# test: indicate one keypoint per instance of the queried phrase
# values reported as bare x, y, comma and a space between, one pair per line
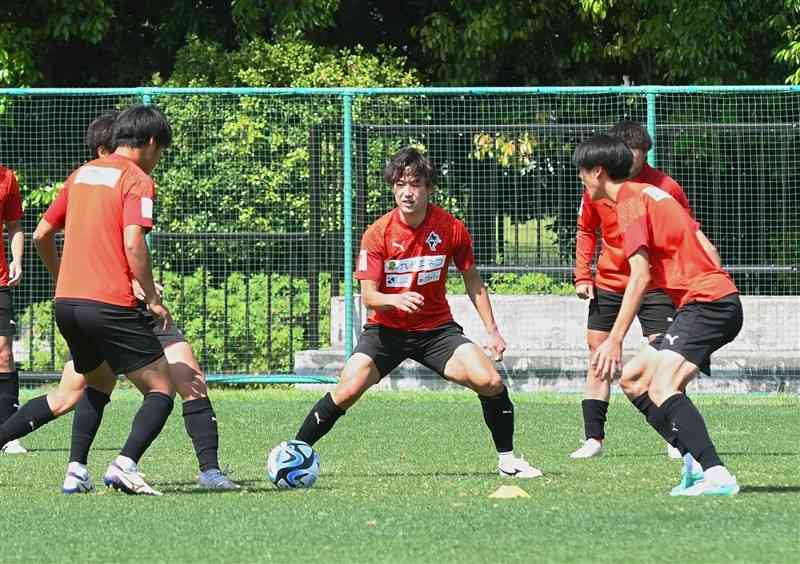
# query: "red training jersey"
613, 269
401, 258
10, 210
651, 218
95, 205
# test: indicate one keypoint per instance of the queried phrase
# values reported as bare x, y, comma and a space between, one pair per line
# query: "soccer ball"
293, 464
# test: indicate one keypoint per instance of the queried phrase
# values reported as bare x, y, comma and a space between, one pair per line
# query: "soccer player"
105, 209
606, 289
10, 276
402, 267
660, 242
198, 413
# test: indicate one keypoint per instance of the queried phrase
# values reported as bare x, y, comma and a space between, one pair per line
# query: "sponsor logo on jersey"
399, 246
427, 277
671, 338
362, 260
433, 240
399, 280
147, 208
656, 193
98, 176
414, 264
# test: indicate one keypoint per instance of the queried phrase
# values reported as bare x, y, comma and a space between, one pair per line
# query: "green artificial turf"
406, 477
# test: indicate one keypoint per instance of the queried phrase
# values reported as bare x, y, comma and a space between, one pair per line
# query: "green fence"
264, 195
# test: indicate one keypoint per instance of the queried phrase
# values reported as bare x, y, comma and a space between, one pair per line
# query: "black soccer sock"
319, 420
685, 418
498, 412
9, 395
147, 424
201, 425
86, 422
654, 417
27, 419
594, 418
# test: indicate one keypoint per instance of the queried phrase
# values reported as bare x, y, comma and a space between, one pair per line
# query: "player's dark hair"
100, 132
411, 160
136, 125
606, 151
634, 135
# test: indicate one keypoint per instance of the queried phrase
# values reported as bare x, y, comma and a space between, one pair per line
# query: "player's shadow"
411, 474
754, 453
247, 487
769, 489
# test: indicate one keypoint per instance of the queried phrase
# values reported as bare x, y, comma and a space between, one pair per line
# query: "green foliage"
529, 283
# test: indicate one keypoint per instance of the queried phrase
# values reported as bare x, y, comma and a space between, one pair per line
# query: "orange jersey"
650, 218
10, 210
613, 269
95, 205
403, 259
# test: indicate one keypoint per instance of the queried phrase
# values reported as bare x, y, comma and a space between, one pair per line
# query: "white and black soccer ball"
293, 464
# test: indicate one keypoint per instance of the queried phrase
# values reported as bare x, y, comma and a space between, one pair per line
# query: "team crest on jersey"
433, 240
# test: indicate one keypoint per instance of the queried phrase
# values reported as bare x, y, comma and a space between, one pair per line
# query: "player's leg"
45, 408
199, 417
699, 329
603, 310
656, 314
448, 352
9, 379
378, 351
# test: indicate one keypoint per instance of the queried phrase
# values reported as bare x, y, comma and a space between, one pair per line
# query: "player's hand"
409, 302
161, 312
607, 359
496, 346
14, 273
138, 292
584, 291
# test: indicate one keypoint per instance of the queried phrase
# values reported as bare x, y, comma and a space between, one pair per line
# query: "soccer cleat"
215, 479
590, 449
517, 468
128, 480
689, 478
707, 487
13, 447
77, 480
673, 452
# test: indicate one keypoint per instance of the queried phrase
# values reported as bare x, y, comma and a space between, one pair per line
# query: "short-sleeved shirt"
613, 269
97, 202
650, 218
10, 210
401, 258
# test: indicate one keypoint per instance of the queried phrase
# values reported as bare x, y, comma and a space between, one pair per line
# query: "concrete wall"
546, 338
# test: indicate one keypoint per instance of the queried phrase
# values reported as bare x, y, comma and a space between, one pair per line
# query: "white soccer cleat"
716, 481
517, 467
673, 452
128, 480
77, 480
590, 449
13, 447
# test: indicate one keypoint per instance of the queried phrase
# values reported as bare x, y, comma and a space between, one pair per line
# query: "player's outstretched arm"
479, 295
607, 359
44, 238
409, 302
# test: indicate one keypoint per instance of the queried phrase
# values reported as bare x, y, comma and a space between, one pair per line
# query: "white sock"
77, 468
125, 463
505, 457
718, 475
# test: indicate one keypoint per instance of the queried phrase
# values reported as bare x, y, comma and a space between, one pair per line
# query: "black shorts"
700, 328
8, 327
97, 332
655, 314
169, 336
389, 347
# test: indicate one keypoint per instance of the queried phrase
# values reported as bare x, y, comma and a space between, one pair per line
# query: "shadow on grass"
411, 474
753, 453
769, 489
98, 449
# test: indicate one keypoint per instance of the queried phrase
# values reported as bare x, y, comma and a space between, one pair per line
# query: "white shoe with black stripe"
517, 467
